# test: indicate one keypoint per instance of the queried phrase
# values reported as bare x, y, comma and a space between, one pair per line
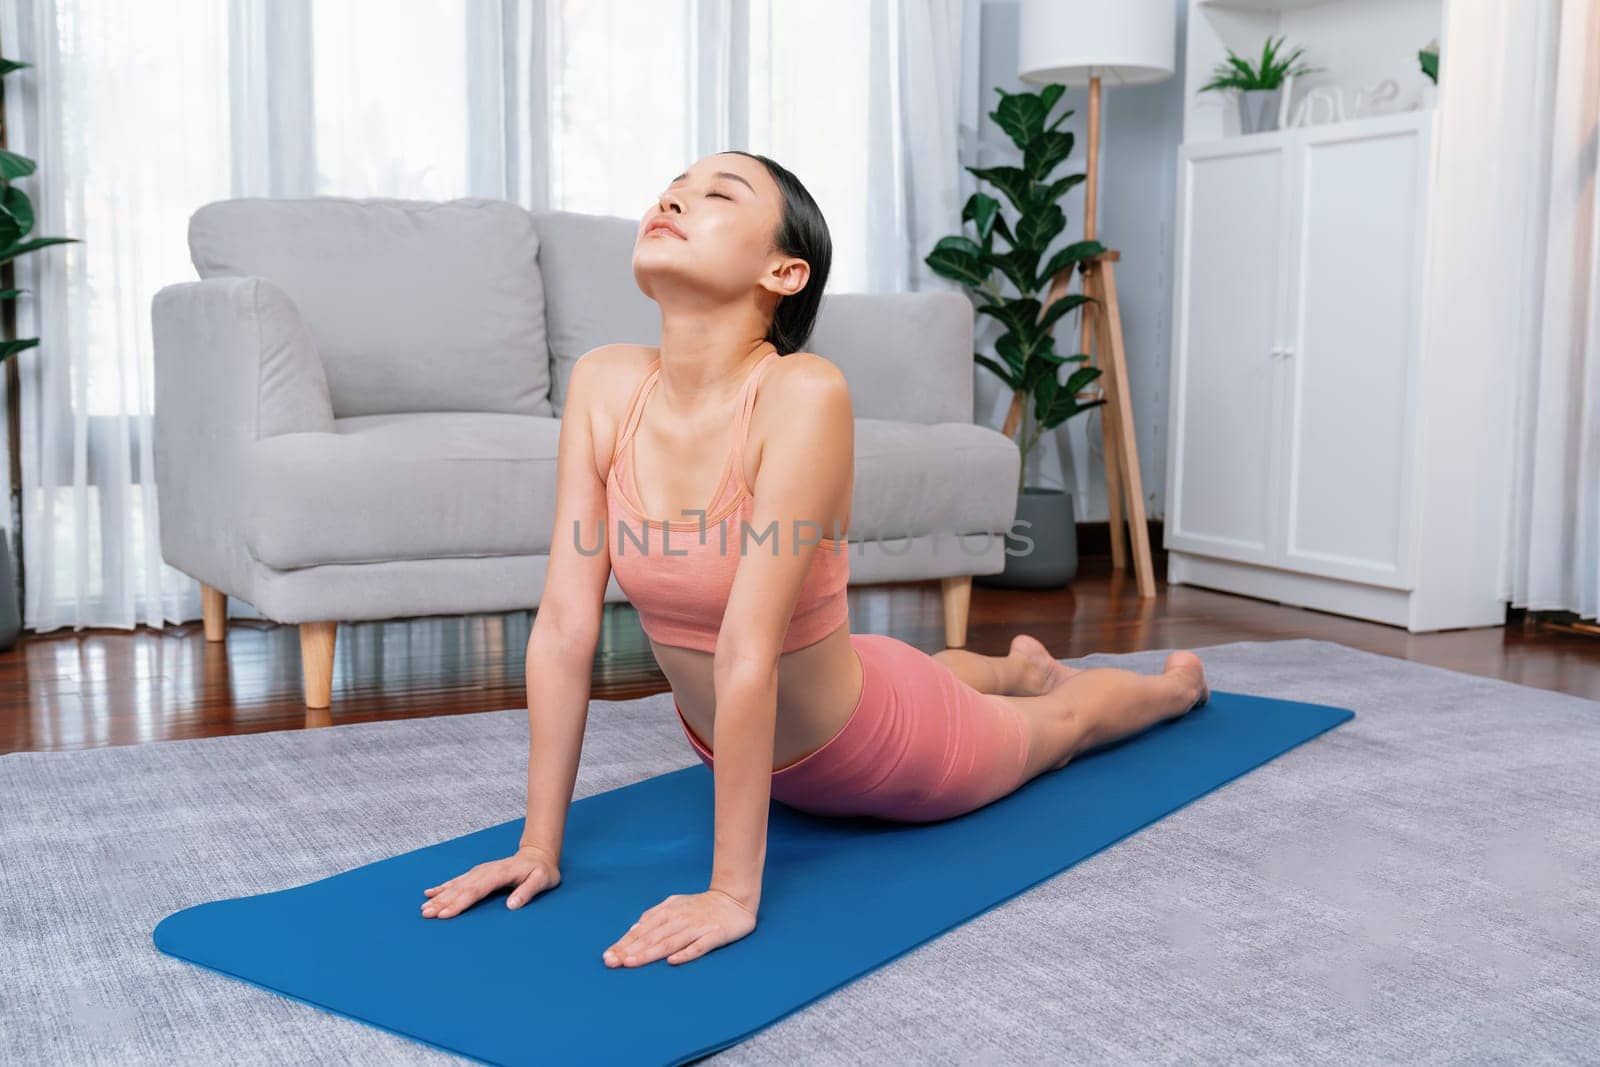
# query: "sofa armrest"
233, 364
907, 356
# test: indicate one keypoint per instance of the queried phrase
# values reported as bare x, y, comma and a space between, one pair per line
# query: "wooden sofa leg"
957, 597
214, 612
316, 661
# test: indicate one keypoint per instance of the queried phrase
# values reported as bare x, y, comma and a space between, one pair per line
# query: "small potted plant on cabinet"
1259, 87
1428, 62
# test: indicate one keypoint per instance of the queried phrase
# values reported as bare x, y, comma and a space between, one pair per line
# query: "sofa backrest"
591, 298
906, 355
414, 305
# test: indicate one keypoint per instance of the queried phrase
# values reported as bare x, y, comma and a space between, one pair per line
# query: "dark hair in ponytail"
803, 233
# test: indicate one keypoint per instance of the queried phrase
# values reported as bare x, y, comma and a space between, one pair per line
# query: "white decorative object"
1285, 102
1318, 106
1377, 100
1327, 104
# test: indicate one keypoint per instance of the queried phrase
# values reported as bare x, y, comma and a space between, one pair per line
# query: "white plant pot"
1258, 110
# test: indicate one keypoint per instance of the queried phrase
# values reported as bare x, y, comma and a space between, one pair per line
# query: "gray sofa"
357, 410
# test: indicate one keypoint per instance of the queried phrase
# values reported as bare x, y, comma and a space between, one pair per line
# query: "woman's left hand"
681, 928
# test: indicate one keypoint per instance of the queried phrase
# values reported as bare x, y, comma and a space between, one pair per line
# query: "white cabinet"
1225, 393
1297, 417
1350, 339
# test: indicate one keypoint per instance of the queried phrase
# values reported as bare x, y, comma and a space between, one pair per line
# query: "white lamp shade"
1125, 42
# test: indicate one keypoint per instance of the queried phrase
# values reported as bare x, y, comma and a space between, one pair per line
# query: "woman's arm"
566, 627
803, 483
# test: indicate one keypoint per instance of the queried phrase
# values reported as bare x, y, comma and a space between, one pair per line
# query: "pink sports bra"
679, 580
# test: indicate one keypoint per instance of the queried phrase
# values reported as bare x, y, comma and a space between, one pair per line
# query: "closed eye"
724, 196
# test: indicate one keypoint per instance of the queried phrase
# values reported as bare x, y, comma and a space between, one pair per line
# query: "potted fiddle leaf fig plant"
16, 222
1002, 264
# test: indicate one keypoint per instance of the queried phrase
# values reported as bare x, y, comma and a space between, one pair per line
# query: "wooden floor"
114, 687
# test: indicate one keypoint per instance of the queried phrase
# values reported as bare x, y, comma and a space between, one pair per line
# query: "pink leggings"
920, 745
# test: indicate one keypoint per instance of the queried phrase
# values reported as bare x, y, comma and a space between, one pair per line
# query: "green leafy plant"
1027, 363
1428, 59
16, 222
1237, 73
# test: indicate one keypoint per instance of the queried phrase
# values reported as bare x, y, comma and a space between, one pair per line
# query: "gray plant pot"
1258, 110
1042, 547
10, 613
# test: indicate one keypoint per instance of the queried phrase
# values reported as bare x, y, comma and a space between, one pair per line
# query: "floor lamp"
1079, 43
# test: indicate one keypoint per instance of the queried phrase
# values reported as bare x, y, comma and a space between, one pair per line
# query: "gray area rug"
1421, 884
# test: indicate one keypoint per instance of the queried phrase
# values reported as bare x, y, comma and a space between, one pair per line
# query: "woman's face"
710, 235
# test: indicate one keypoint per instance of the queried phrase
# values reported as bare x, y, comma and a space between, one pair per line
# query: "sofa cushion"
405, 486
452, 484
414, 305
591, 298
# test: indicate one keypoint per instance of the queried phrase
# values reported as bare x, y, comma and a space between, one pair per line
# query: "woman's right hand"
530, 871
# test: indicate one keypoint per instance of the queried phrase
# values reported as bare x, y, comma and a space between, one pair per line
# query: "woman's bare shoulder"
807, 370
603, 378
805, 378
596, 399
804, 399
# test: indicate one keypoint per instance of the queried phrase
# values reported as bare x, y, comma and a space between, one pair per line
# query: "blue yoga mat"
524, 986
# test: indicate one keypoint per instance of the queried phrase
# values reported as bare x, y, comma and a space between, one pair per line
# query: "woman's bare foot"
1187, 663
1037, 671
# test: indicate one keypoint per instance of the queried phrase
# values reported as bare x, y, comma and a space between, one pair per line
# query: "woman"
743, 598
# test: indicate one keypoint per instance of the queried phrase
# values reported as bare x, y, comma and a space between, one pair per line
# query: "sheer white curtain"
1555, 535
140, 113
863, 101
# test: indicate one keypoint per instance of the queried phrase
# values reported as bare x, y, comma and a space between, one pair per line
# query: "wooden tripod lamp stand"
1077, 43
